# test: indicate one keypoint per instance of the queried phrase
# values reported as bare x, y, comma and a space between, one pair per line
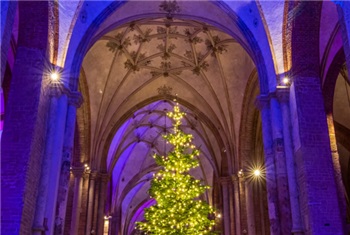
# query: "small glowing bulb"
86, 165
219, 215
257, 172
285, 80
54, 76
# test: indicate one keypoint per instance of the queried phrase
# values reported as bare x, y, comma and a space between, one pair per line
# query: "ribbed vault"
133, 75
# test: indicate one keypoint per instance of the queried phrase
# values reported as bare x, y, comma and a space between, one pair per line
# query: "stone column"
283, 96
104, 177
237, 203
91, 199
262, 103
94, 222
225, 181
319, 202
114, 221
74, 100
235, 211
52, 158
250, 207
78, 184
280, 164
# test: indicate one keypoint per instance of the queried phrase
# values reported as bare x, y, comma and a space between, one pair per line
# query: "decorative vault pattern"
166, 60
162, 57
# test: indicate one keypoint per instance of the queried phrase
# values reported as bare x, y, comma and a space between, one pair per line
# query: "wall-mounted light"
240, 173
86, 167
257, 172
54, 76
286, 81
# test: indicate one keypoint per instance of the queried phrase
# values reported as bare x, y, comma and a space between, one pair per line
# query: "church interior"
85, 91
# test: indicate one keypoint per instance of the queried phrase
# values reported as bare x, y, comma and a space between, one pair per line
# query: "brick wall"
23, 138
8, 13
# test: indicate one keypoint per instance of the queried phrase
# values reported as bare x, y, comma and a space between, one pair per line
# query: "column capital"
93, 175
78, 171
57, 89
75, 98
282, 93
104, 176
262, 101
239, 176
223, 180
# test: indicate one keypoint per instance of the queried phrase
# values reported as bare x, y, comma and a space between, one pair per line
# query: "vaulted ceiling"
134, 73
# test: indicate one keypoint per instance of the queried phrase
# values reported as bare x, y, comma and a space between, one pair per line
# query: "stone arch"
263, 62
115, 208
129, 113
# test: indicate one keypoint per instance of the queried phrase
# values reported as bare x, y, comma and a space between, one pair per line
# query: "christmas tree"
178, 209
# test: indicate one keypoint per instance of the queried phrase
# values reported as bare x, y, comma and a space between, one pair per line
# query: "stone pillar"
78, 184
104, 178
319, 202
52, 158
24, 134
237, 203
283, 96
225, 181
262, 103
94, 222
235, 221
74, 100
116, 222
250, 208
91, 198
280, 164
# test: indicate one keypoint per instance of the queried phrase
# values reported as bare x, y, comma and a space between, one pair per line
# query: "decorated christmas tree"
178, 209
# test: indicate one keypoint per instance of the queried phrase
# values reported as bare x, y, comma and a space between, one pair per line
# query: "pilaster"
104, 178
74, 101
78, 182
90, 207
282, 94
224, 182
263, 103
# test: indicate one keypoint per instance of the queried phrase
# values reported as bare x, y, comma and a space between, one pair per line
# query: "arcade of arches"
264, 85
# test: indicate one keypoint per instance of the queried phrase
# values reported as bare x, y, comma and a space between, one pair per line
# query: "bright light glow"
178, 209
257, 172
219, 215
54, 76
285, 80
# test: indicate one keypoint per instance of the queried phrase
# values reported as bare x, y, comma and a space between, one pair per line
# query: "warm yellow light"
54, 76
257, 172
285, 80
219, 216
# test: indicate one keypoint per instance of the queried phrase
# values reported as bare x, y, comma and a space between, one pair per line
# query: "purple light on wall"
138, 216
116, 140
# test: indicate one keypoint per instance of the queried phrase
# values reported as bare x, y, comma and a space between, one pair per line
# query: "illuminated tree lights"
178, 209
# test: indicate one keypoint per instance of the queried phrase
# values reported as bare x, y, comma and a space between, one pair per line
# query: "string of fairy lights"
178, 209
